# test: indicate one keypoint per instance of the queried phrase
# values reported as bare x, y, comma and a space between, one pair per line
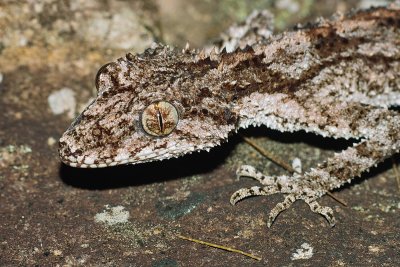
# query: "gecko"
336, 77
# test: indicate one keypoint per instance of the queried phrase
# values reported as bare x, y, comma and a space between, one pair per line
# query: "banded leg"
325, 211
281, 206
252, 191
379, 131
251, 172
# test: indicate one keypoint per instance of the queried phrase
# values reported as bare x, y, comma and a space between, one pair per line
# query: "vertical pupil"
160, 121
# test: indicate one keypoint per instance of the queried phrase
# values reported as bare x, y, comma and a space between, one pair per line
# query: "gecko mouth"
74, 157
72, 154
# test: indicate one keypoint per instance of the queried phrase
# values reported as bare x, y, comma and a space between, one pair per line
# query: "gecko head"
149, 107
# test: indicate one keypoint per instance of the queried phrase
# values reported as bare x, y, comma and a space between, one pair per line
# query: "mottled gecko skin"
335, 78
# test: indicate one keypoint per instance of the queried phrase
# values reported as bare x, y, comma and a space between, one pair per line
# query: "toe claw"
251, 172
246, 170
325, 211
252, 191
281, 206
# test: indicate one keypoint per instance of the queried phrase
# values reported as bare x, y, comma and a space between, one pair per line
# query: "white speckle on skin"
305, 252
144, 152
62, 101
89, 160
122, 156
112, 215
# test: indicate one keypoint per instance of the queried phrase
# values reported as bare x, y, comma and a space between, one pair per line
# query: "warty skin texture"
335, 78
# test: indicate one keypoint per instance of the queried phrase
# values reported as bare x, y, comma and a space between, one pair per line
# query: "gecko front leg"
379, 129
291, 186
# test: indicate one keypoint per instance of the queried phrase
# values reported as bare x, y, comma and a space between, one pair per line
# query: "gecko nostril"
63, 149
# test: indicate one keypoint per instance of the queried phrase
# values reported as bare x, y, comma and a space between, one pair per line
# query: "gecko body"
336, 78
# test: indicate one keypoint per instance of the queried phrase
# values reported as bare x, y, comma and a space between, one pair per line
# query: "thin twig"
336, 198
220, 247
269, 155
285, 165
396, 173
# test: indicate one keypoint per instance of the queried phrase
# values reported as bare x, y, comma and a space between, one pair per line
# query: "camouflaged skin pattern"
335, 78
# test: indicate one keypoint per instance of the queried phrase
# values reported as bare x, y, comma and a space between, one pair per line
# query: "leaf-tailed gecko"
336, 78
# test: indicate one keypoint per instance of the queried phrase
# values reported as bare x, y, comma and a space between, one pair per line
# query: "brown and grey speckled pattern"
335, 78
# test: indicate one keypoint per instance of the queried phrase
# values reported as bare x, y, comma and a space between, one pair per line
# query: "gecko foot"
293, 188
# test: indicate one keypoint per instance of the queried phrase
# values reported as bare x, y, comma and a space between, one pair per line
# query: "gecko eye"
159, 118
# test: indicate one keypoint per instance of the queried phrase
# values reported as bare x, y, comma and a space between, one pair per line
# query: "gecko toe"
325, 211
252, 191
292, 186
281, 206
247, 171
251, 172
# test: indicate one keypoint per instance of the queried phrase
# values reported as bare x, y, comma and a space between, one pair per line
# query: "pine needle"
269, 155
219, 247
